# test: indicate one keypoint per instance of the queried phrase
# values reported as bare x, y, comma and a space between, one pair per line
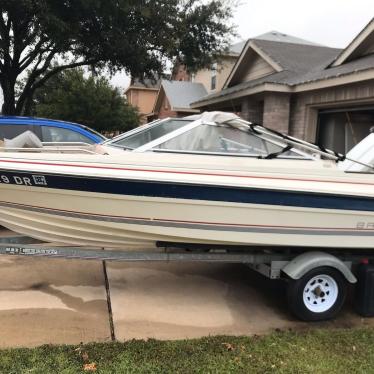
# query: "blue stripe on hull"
197, 192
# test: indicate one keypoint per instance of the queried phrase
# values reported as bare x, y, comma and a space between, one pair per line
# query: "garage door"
342, 129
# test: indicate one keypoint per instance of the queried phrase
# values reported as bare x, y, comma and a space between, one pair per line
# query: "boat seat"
25, 140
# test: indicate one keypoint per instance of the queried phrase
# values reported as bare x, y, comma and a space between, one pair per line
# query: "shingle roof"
277, 36
181, 94
274, 36
361, 64
237, 47
297, 57
300, 63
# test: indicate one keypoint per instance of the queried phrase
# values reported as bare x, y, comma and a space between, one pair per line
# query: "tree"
40, 38
91, 101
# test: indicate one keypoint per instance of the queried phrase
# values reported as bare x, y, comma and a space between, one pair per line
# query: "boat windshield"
196, 136
223, 139
147, 133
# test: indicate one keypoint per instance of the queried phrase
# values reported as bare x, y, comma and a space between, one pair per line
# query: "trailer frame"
291, 265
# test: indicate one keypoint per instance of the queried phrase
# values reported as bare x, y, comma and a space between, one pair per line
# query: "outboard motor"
363, 152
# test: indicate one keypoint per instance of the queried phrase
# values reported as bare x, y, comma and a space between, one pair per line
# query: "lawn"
319, 351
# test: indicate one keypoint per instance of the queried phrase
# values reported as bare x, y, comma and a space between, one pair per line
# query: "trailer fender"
307, 261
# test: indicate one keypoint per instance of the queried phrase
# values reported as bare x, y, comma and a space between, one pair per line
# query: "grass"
319, 351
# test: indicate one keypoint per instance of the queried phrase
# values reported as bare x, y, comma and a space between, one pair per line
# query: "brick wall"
165, 111
277, 111
252, 111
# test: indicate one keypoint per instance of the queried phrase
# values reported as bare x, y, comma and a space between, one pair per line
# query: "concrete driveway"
190, 300
71, 301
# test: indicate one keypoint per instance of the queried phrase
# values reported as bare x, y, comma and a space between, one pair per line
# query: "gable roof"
302, 65
281, 55
357, 47
287, 81
180, 94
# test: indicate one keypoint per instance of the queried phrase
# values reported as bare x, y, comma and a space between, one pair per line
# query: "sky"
330, 22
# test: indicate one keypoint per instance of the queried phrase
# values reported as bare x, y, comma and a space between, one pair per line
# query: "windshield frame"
133, 132
171, 135
192, 125
245, 126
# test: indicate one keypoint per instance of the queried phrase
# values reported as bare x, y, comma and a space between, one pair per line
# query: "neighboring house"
142, 94
174, 99
321, 94
214, 78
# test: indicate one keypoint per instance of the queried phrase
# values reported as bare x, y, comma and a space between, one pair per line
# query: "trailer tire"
318, 295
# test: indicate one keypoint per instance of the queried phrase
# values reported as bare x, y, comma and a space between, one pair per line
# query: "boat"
206, 180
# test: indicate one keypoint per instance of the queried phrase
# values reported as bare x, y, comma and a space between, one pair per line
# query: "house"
215, 77
142, 94
174, 98
310, 91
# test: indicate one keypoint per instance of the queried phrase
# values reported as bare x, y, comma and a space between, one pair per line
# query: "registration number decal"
33, 180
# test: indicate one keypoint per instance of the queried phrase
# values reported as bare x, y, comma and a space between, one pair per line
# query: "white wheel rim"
320, 293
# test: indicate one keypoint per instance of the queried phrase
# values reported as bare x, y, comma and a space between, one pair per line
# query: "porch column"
277, 111
252, 110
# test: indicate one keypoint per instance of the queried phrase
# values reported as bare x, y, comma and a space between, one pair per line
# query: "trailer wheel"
318, 295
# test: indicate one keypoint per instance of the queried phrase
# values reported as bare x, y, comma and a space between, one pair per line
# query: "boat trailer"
317, 280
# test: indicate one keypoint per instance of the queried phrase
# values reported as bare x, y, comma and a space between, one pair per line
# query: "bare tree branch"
32, 85
34, 52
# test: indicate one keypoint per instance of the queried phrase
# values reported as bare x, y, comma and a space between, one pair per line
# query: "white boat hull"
140, 199
122, 221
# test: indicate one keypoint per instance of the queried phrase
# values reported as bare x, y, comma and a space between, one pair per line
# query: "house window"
342, 130
135, 98
213, 79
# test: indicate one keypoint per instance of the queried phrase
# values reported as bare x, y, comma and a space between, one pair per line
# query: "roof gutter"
273, 87
353, 77
140, 88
